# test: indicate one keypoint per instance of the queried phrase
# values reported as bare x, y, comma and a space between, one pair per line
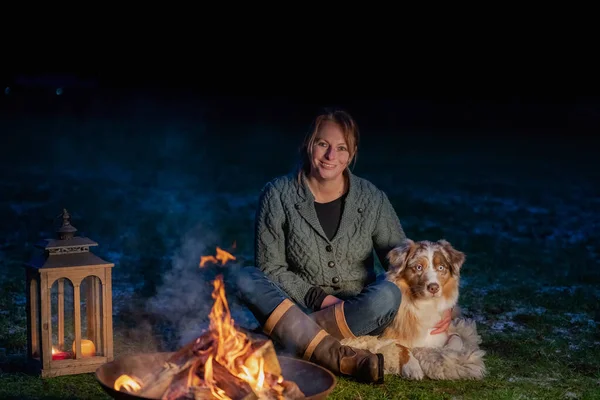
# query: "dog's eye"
441, 267
419, 267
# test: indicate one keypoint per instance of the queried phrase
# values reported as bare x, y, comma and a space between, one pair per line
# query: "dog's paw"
455, 342
412, 369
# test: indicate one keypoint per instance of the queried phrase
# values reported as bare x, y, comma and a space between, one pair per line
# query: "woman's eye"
341, 148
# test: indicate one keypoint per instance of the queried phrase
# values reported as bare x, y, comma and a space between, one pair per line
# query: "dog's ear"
398, 257
455, 258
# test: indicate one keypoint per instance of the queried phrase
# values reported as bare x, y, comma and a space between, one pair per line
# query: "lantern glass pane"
62, 317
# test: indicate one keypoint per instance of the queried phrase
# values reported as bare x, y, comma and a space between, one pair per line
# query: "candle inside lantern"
88, 349
59, 355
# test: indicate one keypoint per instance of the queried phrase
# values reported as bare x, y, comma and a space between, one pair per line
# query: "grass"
530, 280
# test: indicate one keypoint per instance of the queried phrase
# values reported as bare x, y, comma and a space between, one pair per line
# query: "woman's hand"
444, 324
329, 301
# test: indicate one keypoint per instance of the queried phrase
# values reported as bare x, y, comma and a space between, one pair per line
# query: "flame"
231, 348
205, 259
222, 256
128, 383
54, 351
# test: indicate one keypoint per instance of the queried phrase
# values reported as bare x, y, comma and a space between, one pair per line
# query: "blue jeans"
367, 313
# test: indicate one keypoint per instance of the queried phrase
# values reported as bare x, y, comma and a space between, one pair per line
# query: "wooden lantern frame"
68, 257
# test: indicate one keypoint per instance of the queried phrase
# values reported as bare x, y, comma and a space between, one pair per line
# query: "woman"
316, 230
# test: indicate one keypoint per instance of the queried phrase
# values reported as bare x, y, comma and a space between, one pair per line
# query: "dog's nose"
433, 287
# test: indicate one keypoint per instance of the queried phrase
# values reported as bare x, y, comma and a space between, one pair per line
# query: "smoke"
183, 300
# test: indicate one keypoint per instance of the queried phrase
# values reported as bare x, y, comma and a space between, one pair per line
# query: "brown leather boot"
333, 320
289, 325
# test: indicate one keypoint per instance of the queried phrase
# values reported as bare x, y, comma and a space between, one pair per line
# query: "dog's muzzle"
433, 288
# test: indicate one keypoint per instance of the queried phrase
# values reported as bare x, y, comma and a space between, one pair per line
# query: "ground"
526, 216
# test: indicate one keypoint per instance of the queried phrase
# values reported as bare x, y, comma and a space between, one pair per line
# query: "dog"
427, 274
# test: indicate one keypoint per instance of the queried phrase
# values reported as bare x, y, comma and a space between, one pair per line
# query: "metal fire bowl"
313, 380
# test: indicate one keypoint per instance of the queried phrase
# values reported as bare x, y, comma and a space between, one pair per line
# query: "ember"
222, 363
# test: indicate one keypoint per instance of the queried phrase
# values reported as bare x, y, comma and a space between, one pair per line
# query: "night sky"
282, 99
495, 123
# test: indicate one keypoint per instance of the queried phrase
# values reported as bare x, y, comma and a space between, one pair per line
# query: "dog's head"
426, 269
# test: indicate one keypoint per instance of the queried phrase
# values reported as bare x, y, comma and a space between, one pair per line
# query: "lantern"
69, 305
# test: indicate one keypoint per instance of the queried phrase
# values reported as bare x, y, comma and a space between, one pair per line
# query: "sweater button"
335, 280
329, 248
331, 264
360, 210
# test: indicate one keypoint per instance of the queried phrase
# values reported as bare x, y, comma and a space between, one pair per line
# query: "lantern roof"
59, 245
67, 250
68, 260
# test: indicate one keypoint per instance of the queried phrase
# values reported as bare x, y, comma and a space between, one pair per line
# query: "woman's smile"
327, 165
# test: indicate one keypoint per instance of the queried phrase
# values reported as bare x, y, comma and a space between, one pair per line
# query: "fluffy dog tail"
445, 363
448, 363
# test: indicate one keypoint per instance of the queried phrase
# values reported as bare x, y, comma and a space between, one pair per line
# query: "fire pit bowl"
313, 380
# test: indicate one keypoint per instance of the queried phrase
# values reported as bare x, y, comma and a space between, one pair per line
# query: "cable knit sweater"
294, 252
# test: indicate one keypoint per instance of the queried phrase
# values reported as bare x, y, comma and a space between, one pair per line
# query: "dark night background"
162, 170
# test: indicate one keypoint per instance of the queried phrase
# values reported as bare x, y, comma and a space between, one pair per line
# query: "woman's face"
330, 155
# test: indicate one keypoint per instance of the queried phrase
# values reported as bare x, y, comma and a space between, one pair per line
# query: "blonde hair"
348, 126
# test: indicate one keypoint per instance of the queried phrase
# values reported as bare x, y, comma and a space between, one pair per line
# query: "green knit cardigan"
294, 252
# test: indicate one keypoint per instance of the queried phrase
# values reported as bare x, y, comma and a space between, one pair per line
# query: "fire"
231, 348
228, 347
222, 256
128, 383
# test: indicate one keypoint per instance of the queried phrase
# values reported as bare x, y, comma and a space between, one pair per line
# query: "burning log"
155, 384
222, 363
187, 385
225, 383
264, 349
